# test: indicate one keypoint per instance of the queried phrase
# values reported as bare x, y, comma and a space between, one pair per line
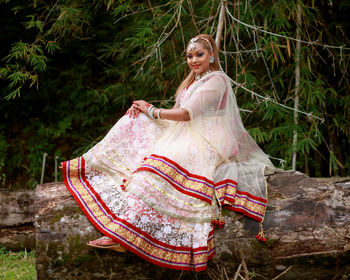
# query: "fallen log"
307, 225
16, 219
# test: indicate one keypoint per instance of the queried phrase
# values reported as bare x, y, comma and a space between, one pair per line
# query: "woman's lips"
195, 66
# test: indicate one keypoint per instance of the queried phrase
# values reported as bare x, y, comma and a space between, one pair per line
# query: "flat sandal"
116, 247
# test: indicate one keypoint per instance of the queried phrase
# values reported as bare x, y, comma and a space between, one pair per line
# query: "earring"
211, 59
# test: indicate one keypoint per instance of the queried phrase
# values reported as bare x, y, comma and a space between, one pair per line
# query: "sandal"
115, 246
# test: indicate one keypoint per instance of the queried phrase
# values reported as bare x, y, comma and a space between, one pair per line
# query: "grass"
17, 265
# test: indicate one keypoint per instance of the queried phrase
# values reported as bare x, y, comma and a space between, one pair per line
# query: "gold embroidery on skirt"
129, 235
179, 178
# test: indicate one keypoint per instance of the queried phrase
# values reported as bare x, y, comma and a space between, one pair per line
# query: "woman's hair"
213, 66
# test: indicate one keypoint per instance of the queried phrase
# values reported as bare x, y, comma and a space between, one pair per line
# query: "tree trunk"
220, 24
297, 84
307, 226
16, 220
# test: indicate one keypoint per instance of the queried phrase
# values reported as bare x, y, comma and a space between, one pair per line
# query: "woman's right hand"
133, 112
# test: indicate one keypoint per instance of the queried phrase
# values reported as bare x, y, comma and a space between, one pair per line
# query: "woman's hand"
142, 106
133, 112
176, 114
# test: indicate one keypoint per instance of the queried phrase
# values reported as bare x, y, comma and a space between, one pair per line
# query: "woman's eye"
200, 54
189, 56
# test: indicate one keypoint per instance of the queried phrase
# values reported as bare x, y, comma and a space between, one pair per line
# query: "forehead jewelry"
192, 43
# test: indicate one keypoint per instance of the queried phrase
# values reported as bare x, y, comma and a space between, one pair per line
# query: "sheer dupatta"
237, 169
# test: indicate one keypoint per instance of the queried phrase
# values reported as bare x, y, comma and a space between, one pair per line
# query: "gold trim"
128, 235
179, 178
172, 196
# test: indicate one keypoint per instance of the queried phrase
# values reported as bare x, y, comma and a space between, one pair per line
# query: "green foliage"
69, 69
17, 265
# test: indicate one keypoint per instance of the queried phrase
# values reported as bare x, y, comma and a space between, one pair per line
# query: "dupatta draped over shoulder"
154, 185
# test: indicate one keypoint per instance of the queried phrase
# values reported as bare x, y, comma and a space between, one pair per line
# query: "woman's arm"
175, 114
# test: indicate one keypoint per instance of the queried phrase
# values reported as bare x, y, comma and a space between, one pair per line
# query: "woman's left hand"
142, 105
132, 112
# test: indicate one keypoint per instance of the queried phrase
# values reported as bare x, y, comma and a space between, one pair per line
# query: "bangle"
150, 111
158, 113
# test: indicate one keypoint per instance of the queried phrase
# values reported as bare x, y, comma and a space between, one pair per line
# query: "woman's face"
198, 58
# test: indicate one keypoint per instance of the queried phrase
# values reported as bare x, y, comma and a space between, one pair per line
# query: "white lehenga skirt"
157, 205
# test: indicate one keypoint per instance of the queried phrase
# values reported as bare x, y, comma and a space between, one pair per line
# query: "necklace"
200, 76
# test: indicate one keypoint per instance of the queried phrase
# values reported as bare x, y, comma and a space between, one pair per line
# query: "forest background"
69, 69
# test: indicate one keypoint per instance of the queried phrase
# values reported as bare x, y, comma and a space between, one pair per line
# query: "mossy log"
16, 219
307, 226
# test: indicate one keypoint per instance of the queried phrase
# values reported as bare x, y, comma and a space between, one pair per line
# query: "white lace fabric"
129, 207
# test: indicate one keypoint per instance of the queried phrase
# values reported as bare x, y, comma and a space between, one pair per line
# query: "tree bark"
307, 225
220, 24
16, 219
297, 84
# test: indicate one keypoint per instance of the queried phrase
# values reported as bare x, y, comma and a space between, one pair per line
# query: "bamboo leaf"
288, 48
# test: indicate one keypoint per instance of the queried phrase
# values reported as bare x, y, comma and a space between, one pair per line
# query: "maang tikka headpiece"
192, 43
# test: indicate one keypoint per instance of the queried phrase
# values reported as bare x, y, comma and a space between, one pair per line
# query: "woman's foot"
105, 242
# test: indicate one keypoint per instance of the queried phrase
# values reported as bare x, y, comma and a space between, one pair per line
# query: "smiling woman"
199, 58
202, 58
156, 183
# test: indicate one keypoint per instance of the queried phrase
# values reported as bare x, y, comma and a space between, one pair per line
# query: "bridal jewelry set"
192, 46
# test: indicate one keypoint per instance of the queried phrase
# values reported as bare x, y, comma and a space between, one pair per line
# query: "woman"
156, 183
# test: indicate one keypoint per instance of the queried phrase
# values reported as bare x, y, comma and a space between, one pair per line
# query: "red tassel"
221, 223
218, 223
124, 180
261, 236
215, 223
